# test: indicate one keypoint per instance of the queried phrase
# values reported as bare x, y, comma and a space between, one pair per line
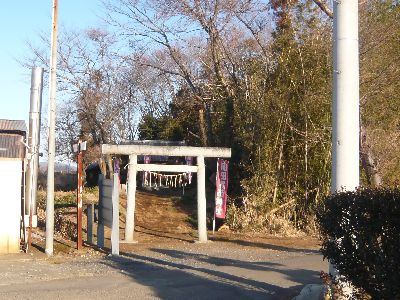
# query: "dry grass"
66, 199
282, 222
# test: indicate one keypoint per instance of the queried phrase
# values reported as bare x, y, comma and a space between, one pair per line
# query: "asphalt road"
214, 270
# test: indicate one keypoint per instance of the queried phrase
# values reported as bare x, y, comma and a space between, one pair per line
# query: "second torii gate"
134, 150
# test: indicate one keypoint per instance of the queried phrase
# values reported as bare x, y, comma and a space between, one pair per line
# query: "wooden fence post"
130, 206
100, 225
89, 224
115, 217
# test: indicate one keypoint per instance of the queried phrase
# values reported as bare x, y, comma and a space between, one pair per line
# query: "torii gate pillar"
201, 200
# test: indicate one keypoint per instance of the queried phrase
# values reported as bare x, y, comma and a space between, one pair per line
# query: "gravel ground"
178, 270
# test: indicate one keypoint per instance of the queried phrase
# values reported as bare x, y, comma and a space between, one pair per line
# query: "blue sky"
21, 21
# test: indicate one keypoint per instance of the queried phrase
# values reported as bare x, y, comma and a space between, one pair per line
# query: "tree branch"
324, 7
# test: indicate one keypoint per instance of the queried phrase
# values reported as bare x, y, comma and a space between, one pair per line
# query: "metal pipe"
51, 132
26, 241
79, 194
34, 140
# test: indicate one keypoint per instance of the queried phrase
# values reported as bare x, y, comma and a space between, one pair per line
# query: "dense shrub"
360, 234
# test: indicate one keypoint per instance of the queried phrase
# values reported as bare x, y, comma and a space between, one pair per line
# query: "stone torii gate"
199, 152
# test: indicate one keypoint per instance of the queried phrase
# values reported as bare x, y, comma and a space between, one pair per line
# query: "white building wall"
10, 204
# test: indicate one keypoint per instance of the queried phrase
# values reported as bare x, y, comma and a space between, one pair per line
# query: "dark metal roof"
12, 126
11, 146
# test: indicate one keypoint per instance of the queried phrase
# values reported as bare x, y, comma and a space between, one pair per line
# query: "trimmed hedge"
360, 233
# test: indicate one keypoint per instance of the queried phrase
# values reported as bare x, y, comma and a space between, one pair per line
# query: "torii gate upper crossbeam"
166, 150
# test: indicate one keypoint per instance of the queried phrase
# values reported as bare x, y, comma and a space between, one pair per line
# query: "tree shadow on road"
301, 276
180, 280
263, 245
184, 237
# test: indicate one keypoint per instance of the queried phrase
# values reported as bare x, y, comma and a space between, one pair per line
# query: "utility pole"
345, 110
345, 107
51, 133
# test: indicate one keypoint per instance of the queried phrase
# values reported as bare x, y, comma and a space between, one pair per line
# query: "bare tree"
194, 42
98, 89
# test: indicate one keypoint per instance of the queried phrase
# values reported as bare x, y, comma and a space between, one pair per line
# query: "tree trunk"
209, 125
229, 119
103, 166
110, 171
278, 172
106, 166
203, 130
368, 161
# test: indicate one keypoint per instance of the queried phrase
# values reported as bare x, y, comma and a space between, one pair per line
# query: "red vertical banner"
221, 190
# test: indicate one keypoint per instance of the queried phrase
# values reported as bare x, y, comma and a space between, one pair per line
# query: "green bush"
360, 234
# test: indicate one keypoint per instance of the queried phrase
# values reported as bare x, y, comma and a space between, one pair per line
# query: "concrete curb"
312, 292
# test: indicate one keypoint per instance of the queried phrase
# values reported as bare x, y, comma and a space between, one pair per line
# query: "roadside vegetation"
68, 199
360, 235
255, 76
